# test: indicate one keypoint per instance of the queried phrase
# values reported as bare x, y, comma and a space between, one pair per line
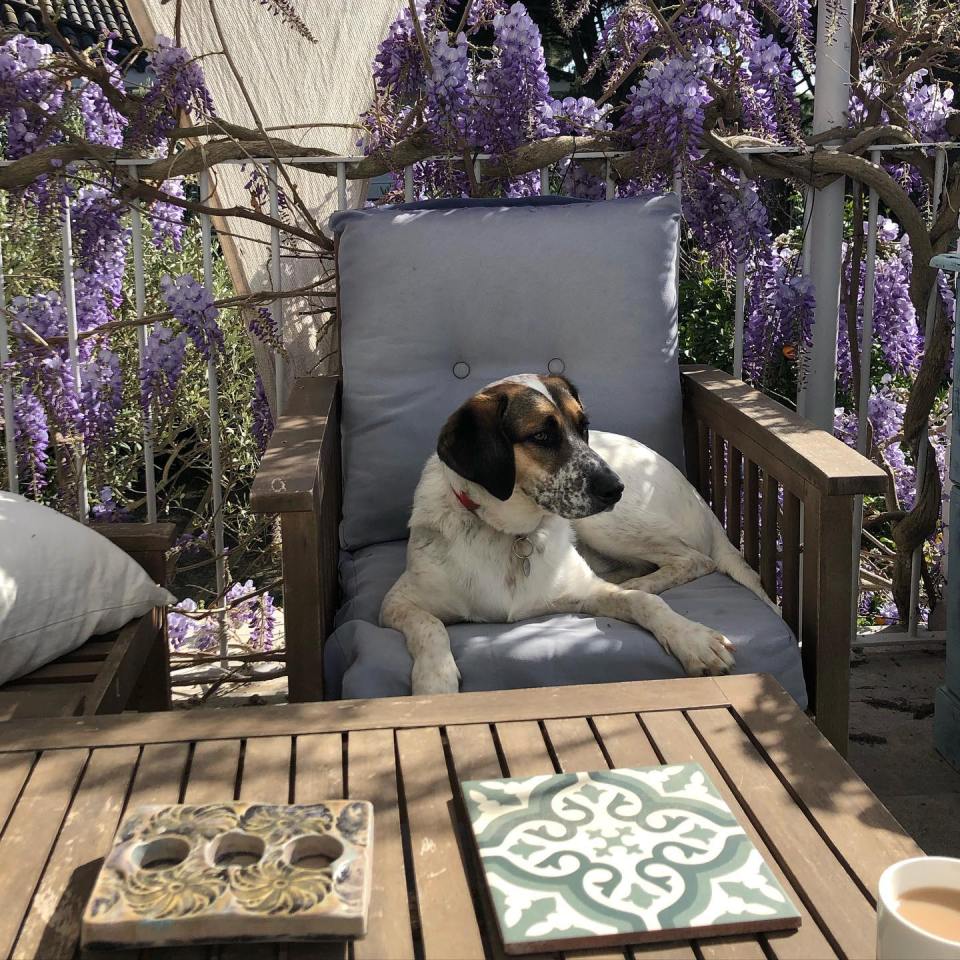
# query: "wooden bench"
126, 669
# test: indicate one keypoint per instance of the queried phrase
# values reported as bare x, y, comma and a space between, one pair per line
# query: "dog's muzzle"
606, 488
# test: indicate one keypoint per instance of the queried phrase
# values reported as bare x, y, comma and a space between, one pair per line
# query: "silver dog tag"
523, 551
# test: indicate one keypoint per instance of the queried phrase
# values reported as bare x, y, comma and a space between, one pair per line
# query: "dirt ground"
891, 742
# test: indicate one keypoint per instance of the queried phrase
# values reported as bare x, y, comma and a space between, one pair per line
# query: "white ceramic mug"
899, 939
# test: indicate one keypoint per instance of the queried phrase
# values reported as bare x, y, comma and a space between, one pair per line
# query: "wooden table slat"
159, 774
678, 743
52, 925
14, 770
527, 755
213, 772
265, 778
212, 778
319, 777
319, 766
296, 719
447, 916
627, 738
806, 859
266, 770
860, 828
31, 831
372, 775
474, 756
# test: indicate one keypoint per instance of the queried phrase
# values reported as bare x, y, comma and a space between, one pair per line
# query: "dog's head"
528, 433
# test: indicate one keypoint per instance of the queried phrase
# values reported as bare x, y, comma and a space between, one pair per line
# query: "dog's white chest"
501, 578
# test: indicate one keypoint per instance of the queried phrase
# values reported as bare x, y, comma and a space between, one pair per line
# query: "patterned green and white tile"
619, 856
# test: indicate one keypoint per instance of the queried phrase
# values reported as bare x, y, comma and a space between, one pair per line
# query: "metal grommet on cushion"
461, 370
556, 366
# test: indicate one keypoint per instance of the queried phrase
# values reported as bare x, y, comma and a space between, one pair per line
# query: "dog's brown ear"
474, 444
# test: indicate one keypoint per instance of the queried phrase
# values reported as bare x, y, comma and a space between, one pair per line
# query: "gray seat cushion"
497, 289
362, 659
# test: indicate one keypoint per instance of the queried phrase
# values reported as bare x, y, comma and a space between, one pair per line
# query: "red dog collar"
465, 499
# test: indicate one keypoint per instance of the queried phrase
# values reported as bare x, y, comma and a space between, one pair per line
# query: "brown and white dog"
523, 512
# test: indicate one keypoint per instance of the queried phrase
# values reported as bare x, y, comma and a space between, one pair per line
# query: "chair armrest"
147, 543
290, 473
299, 479
777, 438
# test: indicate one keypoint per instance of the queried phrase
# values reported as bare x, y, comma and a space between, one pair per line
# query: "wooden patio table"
65, 784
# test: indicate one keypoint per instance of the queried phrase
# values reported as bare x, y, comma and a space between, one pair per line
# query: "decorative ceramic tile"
619, 856
234, 871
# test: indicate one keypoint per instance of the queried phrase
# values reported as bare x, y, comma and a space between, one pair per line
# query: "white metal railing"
340, 165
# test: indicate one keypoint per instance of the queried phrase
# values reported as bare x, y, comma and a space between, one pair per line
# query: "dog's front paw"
435, 674
702, 651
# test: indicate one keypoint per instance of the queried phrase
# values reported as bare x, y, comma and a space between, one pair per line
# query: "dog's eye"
541, 437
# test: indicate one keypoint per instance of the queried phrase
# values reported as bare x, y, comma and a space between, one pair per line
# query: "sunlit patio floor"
891, 741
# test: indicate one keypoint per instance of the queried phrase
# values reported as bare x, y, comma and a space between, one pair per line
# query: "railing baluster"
9, 416
806, 264
408, 184
139, 286
739, 305
276, 281
863, 399
866, 335
608, 179
341, 186
70, 303
914, 615
544, 181
213, 393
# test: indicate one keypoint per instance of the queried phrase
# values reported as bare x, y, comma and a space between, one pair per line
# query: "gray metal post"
947, 713
826, 224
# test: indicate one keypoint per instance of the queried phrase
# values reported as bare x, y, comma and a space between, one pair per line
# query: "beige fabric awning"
290, 81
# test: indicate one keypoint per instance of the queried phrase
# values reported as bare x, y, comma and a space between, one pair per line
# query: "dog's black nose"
608, 488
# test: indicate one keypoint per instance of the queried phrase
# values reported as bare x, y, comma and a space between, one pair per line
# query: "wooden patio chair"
784, 490
128, 669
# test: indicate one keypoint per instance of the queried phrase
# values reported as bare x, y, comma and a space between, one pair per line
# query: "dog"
523, 511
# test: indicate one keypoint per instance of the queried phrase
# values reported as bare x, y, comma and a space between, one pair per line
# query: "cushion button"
461, 370
556, 366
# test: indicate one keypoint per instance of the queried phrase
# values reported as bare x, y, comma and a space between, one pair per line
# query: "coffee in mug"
918, 910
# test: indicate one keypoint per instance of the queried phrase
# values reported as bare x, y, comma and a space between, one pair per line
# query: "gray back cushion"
437, 303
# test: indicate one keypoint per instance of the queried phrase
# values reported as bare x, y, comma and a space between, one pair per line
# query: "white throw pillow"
60, 584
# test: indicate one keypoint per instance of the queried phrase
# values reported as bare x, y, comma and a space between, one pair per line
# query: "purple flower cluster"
102, 123
448, 86
32, 438
729, 220
779, 313
398, 65
192, 305
101, 391
166, 219
928, 106
263, 326
31, 97
795, 20
109, 509
248, 620
262, 416
666, 111
514, 89
161, 366
770, 104
178, 86
484, 12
